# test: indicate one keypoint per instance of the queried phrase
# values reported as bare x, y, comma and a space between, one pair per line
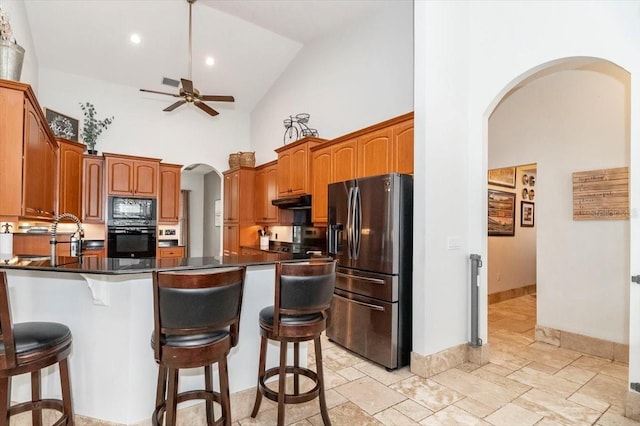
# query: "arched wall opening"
203, 186
570, 115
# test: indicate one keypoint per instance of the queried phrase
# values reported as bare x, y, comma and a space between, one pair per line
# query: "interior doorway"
204, 184
572, 116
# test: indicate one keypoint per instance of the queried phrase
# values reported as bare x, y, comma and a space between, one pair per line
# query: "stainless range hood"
294, 202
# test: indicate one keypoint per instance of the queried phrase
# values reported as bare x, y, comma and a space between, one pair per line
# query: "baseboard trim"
511, 294
430, 365
587, 345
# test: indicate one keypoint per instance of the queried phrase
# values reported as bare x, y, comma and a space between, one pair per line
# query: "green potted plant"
92, 127
11, 53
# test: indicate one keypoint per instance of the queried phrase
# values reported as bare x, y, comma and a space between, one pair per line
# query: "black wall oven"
131, 227
131, 241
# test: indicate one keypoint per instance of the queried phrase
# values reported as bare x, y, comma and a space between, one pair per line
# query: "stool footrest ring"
158, 413
50, 404
290, 398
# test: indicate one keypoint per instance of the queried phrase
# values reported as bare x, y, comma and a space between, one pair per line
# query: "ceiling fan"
188, 93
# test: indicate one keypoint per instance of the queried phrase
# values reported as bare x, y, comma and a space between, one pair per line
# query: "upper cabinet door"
120, 176
145, 178
375, 153
93, 189
70, 168
403, 147
39, 168
284, 169
343, 161
137, 176
169, 196
320, 179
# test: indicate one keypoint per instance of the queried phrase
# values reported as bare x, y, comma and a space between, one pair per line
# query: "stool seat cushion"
36, 336
193, 340
266, 317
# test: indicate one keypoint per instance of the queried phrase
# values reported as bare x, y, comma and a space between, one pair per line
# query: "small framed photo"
503, 177
527, 214
62, 125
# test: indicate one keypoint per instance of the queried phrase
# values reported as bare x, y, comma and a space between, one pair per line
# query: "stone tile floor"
526, 383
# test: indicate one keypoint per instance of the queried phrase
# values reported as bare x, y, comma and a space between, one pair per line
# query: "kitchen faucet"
76, 244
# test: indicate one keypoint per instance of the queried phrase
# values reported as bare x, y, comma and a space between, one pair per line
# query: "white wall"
141, 127
511, 260
572, 121
468, 55
352, 79
211, 234
22, 32
194, 182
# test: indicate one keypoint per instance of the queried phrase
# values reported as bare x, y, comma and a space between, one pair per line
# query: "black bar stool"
197, 318
28, 347
302, 297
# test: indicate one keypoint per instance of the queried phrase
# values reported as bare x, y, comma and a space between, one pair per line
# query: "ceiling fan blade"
187, 85
206, 108
160, 93
217, 98
175, 105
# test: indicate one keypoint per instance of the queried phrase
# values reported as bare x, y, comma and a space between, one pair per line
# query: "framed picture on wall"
527, 214
62, 125
502, 210
503, 177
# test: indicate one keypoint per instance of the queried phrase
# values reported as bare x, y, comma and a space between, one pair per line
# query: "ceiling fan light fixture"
187, 92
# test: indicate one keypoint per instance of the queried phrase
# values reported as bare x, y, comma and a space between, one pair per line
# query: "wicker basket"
234, 160
247, 159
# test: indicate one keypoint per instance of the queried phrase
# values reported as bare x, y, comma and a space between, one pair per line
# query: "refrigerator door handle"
350, 207
360, 278
357, 218
368, 305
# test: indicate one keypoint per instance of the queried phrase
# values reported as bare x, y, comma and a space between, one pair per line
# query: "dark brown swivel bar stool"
197, 318
303, 295
28, 347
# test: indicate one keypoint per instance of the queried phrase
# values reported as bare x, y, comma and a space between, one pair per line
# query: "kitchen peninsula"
107, 303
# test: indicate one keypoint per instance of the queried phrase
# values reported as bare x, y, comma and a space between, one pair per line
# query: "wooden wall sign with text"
601, 194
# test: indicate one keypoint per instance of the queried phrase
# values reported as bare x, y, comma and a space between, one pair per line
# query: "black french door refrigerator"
370, 234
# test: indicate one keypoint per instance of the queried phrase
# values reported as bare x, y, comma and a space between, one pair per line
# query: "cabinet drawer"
165, 252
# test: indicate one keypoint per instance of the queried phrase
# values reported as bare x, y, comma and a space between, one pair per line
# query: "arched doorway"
569, 116
203, 186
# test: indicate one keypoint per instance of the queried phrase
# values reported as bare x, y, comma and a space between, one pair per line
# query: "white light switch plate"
454, 243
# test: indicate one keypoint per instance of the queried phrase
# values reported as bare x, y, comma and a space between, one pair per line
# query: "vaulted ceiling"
251, 41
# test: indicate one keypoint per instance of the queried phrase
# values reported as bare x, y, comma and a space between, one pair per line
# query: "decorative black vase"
92, 152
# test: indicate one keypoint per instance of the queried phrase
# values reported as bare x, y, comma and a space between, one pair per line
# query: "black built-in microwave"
134, 211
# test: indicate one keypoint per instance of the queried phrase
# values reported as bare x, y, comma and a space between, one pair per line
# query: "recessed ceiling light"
135, 38
210, 61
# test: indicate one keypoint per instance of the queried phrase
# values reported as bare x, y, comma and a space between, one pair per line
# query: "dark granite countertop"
114, 266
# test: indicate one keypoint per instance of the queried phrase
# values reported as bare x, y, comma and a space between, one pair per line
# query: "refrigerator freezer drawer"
371, 284
368, 327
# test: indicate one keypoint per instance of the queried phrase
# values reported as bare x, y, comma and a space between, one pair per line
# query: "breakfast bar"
107, 303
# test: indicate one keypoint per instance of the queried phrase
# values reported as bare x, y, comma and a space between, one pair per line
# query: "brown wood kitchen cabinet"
93, 189
293, 166
28, 156
238, 214
170, 252
169, 196
70, 168
330, 162
132, 176
266, 190
386, 147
